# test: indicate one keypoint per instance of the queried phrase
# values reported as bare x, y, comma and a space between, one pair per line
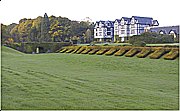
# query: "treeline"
47, 29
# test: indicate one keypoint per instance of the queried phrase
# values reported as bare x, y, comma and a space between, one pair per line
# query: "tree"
88, 36
45, 24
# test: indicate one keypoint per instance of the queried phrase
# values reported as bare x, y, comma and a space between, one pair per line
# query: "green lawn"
75, 81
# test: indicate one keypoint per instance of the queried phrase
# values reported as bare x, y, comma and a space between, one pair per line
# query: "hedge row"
86, 51
158, 53
76, 49
128, 51
132, 52
101, 52
122, 51
173, 54
80, 50
63, 50
93, 51
144, 53
111, 51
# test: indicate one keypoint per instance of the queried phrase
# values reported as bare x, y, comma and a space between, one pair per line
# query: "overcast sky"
167, 12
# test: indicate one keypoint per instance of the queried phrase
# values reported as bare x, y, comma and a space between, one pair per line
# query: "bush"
122, 51
70, 50
144, 53
111, 51
101, 52
86, 51
63, 50
93, 51
76, 49
132, 52
158, 53
80, 50
173, 54
139, 43
151, 38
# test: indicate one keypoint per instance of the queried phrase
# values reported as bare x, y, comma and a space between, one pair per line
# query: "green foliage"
173, 54
93, 51
132, 52
45, 47
111, 51
47, 29
122, 51
63, 50
76, 49
144, 53
158, 53
139, 43
101, 51
150, 38
69, 50
80, 50
86, 51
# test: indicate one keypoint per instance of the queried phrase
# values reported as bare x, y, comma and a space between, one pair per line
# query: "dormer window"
122, 22
132, 21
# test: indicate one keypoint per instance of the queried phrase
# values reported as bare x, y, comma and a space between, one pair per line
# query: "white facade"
103, 30
123, 28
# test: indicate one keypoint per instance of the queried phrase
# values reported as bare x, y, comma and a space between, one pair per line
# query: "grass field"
75, 81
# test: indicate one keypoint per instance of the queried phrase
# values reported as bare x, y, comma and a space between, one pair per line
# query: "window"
122, 27
133, 31
100, 29
122, 31
108, 33
100, 33
133, 26
96, 34
108, 29
116, 32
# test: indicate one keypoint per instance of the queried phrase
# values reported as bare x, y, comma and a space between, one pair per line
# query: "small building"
170, 30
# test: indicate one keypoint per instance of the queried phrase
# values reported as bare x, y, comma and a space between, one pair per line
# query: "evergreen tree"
45, 24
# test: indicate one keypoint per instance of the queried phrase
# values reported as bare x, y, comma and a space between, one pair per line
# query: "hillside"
9, 51
77, 81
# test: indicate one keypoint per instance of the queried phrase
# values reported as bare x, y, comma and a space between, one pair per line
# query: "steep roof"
144, 20
128, 20
166, 29
118, 20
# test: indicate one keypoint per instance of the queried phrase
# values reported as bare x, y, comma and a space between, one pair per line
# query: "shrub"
132, 52
139, 43
122, 51
93, 51
80, 50
70, 50
158, 53
145, 52
173, 54
86, 51
63, 50
76, 49
101, 52
111, 51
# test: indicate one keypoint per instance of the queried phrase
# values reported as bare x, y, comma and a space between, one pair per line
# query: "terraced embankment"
168, 53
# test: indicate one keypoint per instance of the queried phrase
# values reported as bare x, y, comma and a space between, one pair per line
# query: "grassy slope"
72, 81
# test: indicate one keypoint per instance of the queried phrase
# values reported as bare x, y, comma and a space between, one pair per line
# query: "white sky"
167, 12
